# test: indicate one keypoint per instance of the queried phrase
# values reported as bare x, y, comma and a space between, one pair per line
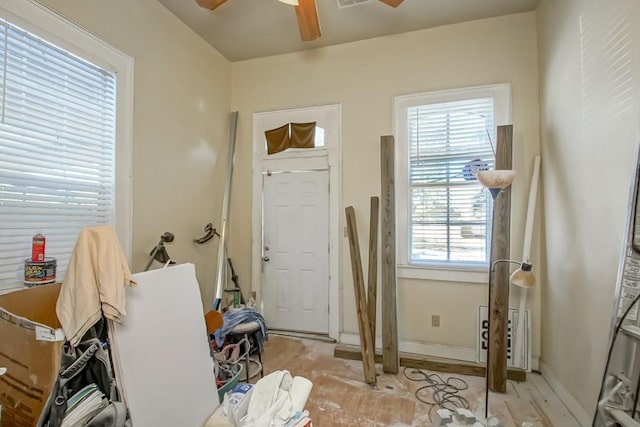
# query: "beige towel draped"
94, 283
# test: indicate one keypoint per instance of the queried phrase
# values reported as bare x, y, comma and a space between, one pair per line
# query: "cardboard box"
30, 345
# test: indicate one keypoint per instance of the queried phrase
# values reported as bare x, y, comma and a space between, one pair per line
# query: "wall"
364, 77
181, 114
589, 101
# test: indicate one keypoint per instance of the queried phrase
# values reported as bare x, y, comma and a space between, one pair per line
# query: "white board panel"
161, 351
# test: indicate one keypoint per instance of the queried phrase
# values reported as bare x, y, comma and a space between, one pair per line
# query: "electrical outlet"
435, 321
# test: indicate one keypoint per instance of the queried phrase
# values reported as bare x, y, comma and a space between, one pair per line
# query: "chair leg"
247, 358
261, 365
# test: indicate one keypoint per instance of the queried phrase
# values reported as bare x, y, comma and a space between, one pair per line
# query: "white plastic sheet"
161, 351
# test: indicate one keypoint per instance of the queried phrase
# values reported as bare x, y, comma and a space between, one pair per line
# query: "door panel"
296, 251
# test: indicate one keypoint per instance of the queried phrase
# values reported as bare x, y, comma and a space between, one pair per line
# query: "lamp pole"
495, 191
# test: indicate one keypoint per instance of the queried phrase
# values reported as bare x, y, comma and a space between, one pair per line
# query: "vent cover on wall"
349, 3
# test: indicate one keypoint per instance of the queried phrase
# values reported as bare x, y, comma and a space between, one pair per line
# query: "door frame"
327, 157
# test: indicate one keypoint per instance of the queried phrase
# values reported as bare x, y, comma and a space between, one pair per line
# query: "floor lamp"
495, 181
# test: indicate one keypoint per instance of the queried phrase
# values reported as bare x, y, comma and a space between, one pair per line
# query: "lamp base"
491, 422
462, 418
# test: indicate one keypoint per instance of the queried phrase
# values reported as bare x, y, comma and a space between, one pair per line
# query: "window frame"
459, 272
50, 26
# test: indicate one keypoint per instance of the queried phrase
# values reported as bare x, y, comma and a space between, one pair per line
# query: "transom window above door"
293, 136
319, 138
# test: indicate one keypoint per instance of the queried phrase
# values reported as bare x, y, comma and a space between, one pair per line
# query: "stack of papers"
84, 405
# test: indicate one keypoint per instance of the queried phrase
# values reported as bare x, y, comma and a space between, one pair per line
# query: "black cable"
444, 394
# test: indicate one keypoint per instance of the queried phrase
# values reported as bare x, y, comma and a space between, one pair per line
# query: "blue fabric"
232, 319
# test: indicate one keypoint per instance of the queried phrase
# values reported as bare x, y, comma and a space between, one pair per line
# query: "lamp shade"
496, 178
523, 276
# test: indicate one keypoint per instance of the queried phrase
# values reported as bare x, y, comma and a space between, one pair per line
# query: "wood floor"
340, 398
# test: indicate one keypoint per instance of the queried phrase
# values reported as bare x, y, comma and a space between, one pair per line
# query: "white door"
295, 286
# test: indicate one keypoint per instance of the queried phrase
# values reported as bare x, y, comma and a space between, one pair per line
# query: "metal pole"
222, 248
486, 372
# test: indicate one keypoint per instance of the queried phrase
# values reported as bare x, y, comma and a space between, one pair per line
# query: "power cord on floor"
444, 394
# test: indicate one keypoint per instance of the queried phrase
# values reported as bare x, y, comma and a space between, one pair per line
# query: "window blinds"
450, 212
57, 148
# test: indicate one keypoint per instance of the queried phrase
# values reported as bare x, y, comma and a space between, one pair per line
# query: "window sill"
444, 274
296, 153
13, 289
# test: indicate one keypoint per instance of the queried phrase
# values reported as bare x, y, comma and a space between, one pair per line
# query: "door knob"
265, 258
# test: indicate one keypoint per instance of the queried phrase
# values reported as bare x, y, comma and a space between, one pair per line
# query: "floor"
340, 398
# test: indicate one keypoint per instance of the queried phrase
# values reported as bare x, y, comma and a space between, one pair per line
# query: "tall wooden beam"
372, 278
500, 242
367, 347
390, 355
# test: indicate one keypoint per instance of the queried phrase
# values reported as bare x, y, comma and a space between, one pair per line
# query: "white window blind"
57, 148
449, 211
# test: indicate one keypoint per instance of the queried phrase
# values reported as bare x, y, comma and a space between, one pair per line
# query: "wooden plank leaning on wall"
372, 278
367, 347
390, 354
500, 243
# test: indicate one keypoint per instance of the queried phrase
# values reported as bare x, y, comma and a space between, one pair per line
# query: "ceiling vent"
350, 3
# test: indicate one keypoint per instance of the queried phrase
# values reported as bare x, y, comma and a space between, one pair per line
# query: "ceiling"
246, 29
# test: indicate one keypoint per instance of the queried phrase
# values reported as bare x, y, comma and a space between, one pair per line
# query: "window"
443, 139
319, 137
63, 138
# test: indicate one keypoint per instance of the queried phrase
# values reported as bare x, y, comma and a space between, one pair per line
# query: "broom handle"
526, 254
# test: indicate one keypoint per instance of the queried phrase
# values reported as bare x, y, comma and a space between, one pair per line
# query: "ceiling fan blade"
210, 4
308, 22
392, 3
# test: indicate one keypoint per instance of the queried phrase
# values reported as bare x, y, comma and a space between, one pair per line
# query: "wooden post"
390, 355
500, 242
372, 277
368, 351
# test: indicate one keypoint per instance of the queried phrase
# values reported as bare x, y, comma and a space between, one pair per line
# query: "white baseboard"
466, 354
535, 363
565, 396
415, 347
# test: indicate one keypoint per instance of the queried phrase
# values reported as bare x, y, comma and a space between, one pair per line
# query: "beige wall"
589, 99
181, 114
364, 77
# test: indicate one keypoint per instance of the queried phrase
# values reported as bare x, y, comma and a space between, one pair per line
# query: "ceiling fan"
306, 12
